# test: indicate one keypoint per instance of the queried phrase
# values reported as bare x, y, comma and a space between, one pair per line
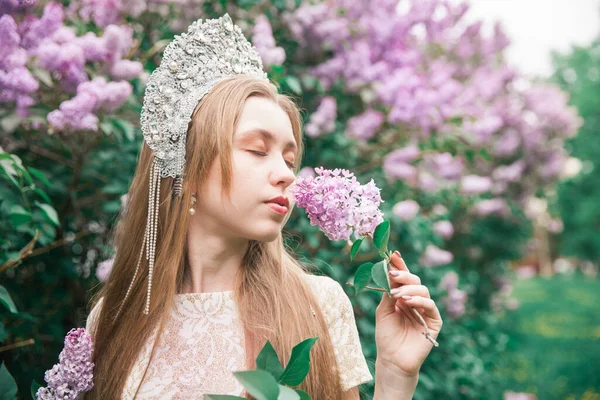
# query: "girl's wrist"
391, 384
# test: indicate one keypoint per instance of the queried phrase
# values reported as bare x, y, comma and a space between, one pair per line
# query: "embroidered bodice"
203, 343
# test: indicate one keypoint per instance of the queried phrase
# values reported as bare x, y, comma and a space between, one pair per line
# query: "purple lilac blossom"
496, 206
396, 164
519, 396
449, 281
473, 184
322, 121
104, 269
102, 12
337, 203
444, 229
455, 299
509, 173
365, 125
262, 39
34, 30
78, 112
406, 210
455, 302
16, 82
434, 256
444, 165
74, 372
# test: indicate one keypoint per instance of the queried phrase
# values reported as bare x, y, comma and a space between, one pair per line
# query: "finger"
431, 309
398, 262
410, 290
404, 277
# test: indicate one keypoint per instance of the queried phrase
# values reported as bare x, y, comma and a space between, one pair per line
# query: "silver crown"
192, 64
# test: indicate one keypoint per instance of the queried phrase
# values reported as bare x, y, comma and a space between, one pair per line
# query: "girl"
210, 219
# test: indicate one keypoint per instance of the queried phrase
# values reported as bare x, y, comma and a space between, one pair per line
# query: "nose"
282, 174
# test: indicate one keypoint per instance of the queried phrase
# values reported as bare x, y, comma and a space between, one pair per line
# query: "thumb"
387, 304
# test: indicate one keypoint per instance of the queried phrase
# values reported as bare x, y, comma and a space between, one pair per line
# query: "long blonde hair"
271, 293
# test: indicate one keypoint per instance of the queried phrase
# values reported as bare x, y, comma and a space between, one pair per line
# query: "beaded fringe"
149, 241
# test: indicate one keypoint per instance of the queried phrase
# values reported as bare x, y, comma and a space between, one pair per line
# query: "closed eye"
263, 154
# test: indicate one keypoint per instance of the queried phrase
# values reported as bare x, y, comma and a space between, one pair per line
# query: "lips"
279, 209
281, 200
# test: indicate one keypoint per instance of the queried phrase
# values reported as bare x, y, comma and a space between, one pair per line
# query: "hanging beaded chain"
152, 225
137, 267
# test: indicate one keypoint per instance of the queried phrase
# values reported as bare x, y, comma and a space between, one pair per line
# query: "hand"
399, 333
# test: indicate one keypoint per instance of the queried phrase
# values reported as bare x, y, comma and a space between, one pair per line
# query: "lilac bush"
44, 59
426, 73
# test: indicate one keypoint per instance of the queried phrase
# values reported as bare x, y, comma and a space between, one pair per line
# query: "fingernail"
395, 290
397, 253
405, 297
394, 273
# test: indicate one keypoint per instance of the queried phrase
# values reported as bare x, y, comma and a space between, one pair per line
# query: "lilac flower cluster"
262, 39
338, 204
364, 126
107, 12
16, 81
434, 256
322, 121
54, 52
455, 299
74, 372
78, 112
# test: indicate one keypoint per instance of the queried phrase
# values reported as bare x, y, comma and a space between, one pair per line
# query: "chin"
266, 235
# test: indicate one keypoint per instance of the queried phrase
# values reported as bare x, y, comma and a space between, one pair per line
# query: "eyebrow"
268, 136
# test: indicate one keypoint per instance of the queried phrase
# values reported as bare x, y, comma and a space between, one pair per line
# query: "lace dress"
203, 343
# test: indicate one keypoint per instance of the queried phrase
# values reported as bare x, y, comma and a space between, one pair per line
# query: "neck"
213, 261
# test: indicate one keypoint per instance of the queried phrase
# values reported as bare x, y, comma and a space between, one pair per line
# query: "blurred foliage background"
489, 179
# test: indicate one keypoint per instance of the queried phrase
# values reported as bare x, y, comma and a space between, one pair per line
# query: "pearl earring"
192, 209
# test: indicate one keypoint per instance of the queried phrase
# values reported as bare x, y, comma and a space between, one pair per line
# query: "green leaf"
23, 171
380, 275
18, 215
294, 84
223, 397
3, 333
259, 384
355, 248
107, 128
303, 394
127, 128
286, 393
7, 300
247, 4
42, 75
40, 176
34, 388
8, 384
10, 123
49, 212
382, 235
267, 360
362, 276
43, 195
299, 365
